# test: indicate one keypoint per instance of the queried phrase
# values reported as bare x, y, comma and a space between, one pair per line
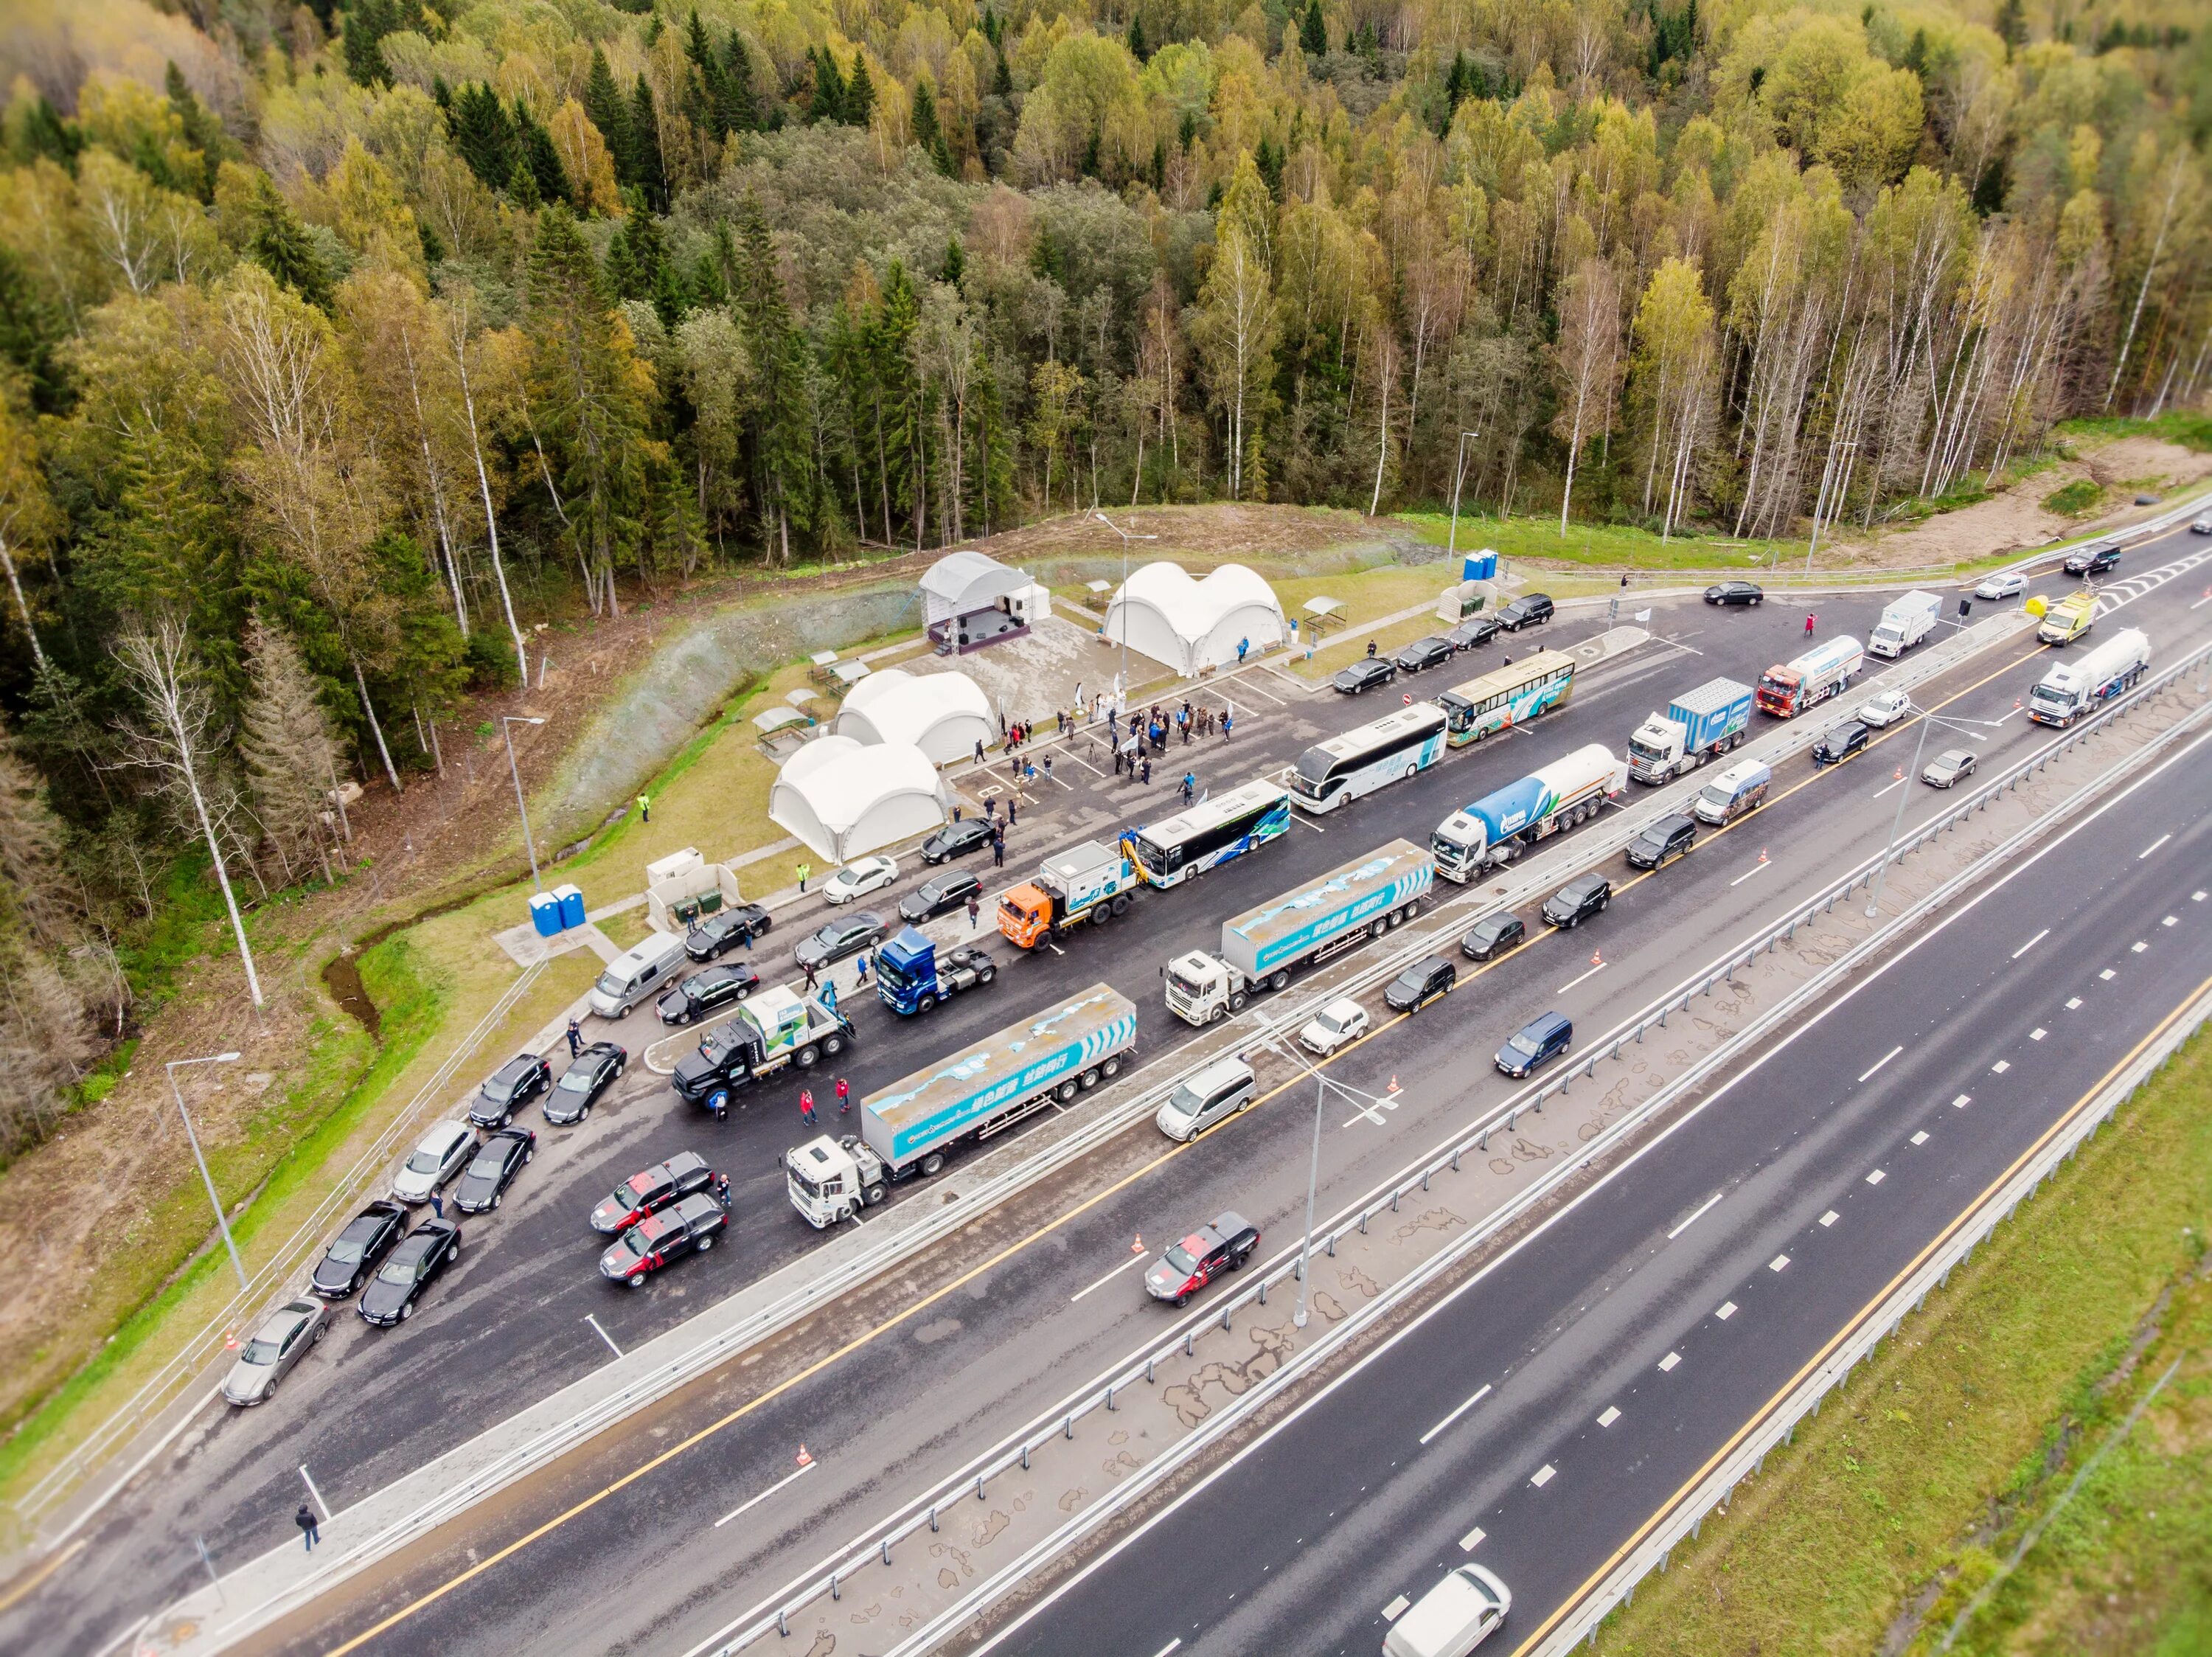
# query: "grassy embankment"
1905, 1494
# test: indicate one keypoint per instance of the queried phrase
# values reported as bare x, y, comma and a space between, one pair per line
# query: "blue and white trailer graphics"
1706, 722
1208, 834
2071, 689
1494, 828
1263, 946
913, 1125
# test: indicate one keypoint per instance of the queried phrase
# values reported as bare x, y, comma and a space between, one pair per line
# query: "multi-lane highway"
646, 1563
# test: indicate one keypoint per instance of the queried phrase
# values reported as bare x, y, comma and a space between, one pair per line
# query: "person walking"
1147, 776
1370, 649
1228, 719
1189, 786
437, 1205
1013, 809
979, 751
722, 1190
1117, 761
990, 808
808, 969
861, 973
1243, 645
804, 869
1809, 619
575, 1038
309, 1531
975, 913
844, 1097
806, 1105
644, 807
1047, 768
998, 851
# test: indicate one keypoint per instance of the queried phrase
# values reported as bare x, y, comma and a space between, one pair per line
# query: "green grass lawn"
1606, 547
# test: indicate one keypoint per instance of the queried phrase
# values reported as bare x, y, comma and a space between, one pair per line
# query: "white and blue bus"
1209, 834
1509, 695
1388, 750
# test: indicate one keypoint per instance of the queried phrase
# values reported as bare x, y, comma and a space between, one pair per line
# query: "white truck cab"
833, 1180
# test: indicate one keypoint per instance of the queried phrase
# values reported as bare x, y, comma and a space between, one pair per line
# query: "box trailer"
1708, 721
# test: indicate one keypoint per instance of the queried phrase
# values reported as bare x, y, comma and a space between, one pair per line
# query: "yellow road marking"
15, 1594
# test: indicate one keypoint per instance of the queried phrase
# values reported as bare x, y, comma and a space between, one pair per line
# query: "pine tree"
738, 106
828, 103
286, 743
535, 149
482, 135
367, 22
956, 263
651, 176
1138, 49
202, 129
706, 99
604, 105
782, 413
282, 247
860, 102
925, 118
1313, 32
1002, 78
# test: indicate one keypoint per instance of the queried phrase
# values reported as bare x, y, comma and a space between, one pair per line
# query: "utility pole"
222, 1220
506, 723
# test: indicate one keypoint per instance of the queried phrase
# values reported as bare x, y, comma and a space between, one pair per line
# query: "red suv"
1205, 1254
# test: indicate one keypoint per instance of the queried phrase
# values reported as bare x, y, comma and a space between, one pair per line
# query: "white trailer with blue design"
1263, 946
1495, 828
913, 1125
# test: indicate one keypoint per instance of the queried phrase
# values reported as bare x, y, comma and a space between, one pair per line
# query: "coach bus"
1388, 750
1208, 834
1512, 695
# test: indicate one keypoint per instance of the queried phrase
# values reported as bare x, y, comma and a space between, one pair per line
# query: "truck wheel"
1376, 929
1279, 979
1122, 906
1216, 1015
1066, 1091
986, 975
1101, 915
706, 1243
807, 1056
933, 1163
1112, 1066
1235, 1005
833, 1045
1091, 1077
925, 1004
871, 1194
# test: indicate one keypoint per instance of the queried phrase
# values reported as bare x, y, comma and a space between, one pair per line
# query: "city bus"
1388, 750
1512, 695
1208, 834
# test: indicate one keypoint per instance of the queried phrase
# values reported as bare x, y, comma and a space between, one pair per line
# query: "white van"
1452, 1618
1222, 1087
637, 974
1733, 792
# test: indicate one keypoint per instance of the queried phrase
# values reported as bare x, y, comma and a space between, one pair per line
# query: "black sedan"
950, 889
354, 1252
1476, 630
1837, 745
509, 1088
1364, 675
847, 934
689, 1228
1423, 653
588, 1076
422, 1256
1420, 984
956, 840
702, 992
493, 1169
650, 1190
711, 934
1491, 935
1736, 592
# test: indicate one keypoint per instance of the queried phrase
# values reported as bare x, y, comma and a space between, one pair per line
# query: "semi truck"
1091, 882
2068, 618
913, 1125
1263, 946
912, 977
1788, 688
773, 1029
1905, 622
2072, 689
1708, 721
1495, 828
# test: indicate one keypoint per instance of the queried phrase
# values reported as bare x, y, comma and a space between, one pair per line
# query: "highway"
1533, 1416
925, 1384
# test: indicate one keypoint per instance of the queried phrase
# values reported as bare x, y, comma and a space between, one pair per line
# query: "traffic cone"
230, 1340
1393, 1081
1597, 958
1138, 1247
805, 1460
1762, 854
1899, 774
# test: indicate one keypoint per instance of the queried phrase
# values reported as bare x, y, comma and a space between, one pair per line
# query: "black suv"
688, 1227
1529, 610
702, 992
650, 1190
354, 1252
587, 1077
2095, 560
1423, 653
509, 1087
1493, 934
1577, 901
1670, 836
1364, 675
956, 840
1420, 984
940, 893
1837, 745
711, 934
422, 1256
1475, 630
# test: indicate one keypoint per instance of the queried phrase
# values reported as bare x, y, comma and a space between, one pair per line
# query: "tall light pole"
506, 722
1121, 684
1904, 791
1459, 476
1321, 1085
222, 1220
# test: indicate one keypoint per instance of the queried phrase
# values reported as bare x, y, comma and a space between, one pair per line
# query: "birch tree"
1587, 362
1234, 331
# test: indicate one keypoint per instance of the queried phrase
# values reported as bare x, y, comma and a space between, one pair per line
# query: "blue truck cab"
912, 976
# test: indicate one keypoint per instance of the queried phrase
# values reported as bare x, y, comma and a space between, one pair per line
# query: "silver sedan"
281, 1342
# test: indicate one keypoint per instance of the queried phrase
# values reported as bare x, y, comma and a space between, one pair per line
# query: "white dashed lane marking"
1544, 1476
1830, 1217
1669, 1362
1876, 1177
1472, 1540
2107, 974
2037, 1033
1611, 1415
1962, 1101
1727, 1311
1920, 1138
2000, 1066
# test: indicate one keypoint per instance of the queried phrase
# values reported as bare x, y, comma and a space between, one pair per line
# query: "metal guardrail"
1015, 1452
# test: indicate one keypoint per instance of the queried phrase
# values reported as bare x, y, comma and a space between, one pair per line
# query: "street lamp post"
1459, 476
1122, 683
1905, 792
1321, 1085
506, 722
222, 1220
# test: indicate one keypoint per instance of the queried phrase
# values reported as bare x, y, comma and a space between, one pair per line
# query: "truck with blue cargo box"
1696, 726
1495, 828
1263, 946
913, 1125
912, 975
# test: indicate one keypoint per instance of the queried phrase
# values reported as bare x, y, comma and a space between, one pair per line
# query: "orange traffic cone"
805, 1460
1762, 854
230, 1340
1393, 1081
1597, 958
1138, 1247
1899, 774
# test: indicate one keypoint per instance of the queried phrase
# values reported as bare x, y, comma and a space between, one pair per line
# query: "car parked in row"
1492, 935
711, 934
1420, 984
353, 1252
1474, 631
689, 1228
509, 1088
589, 1075
940, 893
1423, 654
1670, 836
283, 1340
493, 1168
1342, 1020
1529, 610
419, 1261
1838, 745
833, 940
1582, 897
956, 840
438, 1157
1949, 768
858, 879
1367, 675
1541, 1040
650, 1190
1883, 708
702, 992
1208, 1254
1735, 593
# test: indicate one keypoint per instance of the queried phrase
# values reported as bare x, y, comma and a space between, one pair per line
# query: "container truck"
1495, 828
1905, 622
912, 1126
1708, 720
1263, 946
1090, 882
1788, 688
2070, 691
773, 1029
2068, 619
912, 977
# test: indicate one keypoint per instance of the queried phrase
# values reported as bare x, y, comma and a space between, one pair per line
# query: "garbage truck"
1495, 828
913, 976
1788, 688
913, 1125
1091, 882
1704, 722
773, 1029
1263, 946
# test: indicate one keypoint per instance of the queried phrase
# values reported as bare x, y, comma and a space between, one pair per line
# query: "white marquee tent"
842, 798
1193, 624
944, 715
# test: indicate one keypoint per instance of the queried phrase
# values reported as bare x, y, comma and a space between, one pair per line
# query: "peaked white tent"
843, 798
1192, 625
944, 715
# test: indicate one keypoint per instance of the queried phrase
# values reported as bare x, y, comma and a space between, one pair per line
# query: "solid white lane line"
1481, 1393
1544, 1475
603, 1334
2151, 847
1883, 1060
1747, 874
1611, 1415
1572, 981
1132, 1260
789, 1478
1897, 783
1694, 1218
2031, 943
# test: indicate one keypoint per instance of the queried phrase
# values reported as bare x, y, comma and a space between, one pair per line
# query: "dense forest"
339, 340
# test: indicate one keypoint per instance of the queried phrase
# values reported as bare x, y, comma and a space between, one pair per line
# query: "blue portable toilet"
571, 900
1480, 566
546, 914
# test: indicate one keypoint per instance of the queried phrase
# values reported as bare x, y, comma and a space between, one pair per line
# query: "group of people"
844, 1091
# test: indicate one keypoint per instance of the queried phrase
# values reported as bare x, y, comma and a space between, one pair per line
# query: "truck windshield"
1184, 982
2044, 696
807, 1185
1781, 685
1642, 750
892, 973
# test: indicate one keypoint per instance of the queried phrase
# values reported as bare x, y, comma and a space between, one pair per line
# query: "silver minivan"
637, 974
1220, 1090
1452, 1618
1733, 792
